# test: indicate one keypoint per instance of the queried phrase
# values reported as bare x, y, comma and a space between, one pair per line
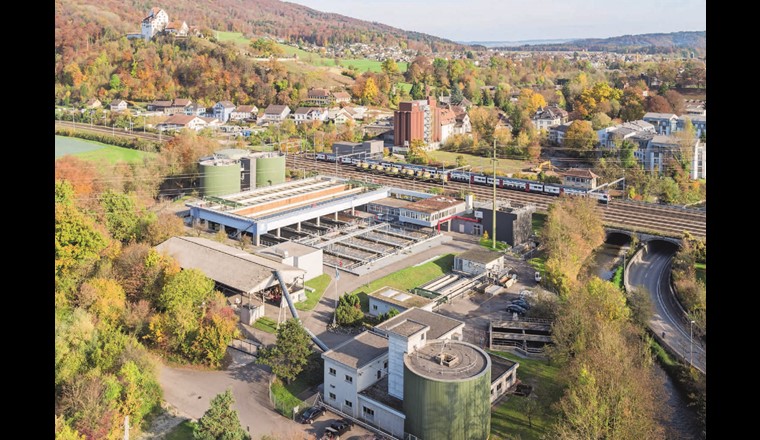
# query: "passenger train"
437, 174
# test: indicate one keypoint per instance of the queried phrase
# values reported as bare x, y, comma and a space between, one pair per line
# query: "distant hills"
77, 20
515, 43
645, 43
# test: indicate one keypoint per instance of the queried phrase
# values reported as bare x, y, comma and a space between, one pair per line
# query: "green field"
480, 164
404, 87
408, 278
319, 284
96, 151
488, 244
537, 223
312, 58
508, 418
266, 324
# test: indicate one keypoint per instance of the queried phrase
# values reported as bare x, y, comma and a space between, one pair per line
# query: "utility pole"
494, 196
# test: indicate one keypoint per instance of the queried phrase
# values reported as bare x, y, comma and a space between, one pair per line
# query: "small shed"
476, 261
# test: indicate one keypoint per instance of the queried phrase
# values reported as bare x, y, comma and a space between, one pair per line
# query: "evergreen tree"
221, 421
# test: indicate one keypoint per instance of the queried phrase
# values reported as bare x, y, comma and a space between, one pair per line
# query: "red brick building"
416, 120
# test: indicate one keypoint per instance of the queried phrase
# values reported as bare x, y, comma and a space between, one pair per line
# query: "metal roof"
359, 351
439, 324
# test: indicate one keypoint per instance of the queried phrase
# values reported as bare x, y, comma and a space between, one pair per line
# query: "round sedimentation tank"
447, 390
219, 177
270, 170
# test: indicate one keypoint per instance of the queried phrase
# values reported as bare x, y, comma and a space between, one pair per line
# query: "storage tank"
447, 389
219, 177
247, 173
270, 170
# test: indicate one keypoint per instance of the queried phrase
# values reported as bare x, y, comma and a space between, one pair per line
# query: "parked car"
521, 303
310, 414
537, 277
336, 429
526, 292
513, 308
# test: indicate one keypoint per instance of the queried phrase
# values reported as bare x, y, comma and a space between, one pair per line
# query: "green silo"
447, 389
219, 177
270, 170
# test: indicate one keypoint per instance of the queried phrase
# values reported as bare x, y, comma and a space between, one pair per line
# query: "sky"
516, 20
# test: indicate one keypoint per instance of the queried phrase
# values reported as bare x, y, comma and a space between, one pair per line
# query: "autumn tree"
530, 101
580, 137
390, 67
122, 215
220, 421
369, 93
417, 153
676, 101
600, 121
290, 354
161, 227
483, 122
658, 104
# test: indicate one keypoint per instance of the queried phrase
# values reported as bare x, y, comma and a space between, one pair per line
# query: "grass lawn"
701, 269
507, 418
319, 284
235, 37
266, 324
480, 164
183, 431
408, 278
617, 278
365, 65
113, 154
405, 87
500, 245
285, 400
537, 223
538, 263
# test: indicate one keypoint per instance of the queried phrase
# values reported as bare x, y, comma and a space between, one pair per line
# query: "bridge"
643, 237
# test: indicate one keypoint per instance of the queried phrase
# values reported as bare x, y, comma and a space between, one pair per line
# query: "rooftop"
379, 392
224, 264
403, 299
439, 324
499, 365
392, 202
434, 204
359, 351
408, 328
483, 256
653, 115
579, 172
447, 360
292, 248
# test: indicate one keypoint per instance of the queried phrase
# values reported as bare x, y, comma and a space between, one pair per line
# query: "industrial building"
418, 119
412, 377
359, 150
234, 170
382, 300
526, 335
477, 261
513, 224
418, 209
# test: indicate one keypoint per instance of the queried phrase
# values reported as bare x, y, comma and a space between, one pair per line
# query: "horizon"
559, 19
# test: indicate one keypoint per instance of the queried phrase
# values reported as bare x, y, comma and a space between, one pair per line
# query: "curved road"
650, 268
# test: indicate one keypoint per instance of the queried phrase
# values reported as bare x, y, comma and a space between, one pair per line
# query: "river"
680, 421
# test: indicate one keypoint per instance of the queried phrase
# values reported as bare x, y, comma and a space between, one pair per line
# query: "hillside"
644, 43
79, 23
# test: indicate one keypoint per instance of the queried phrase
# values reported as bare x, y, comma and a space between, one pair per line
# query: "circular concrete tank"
447, 390
270, 171
219, 177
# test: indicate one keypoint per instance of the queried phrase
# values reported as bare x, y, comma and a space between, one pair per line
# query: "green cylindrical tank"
448, 398
270, 171
219, 177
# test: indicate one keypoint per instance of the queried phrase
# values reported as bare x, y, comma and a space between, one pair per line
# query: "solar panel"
402, 297
388, 293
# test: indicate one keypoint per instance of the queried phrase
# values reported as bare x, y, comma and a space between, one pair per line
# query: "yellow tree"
369, 93
530, 101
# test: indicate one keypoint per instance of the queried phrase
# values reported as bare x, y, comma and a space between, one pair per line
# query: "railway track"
110, 131
671, 221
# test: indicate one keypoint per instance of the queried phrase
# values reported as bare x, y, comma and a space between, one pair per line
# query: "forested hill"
80, 22
644, 43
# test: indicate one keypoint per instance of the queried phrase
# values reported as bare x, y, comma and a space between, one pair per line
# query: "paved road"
651, 269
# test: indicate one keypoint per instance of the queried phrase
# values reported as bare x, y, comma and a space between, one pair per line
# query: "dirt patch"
163, 423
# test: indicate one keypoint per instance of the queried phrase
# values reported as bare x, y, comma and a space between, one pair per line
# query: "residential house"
317, 114
550, 116
195, 109
661, 148
179, 121
462, 123
179, 105
160, 106
118, 105
211, 122
93, 103
664, 123
581, 178
447, 120
356, 111
339, 115
612, 136
177, 27
154, 23
503, 122
275, 113
244, 112
341, 97
222, 110
321, 97
301, 114
695, 108
558, 132
698, 121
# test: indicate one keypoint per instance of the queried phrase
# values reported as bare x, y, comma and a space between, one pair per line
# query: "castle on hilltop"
156, 22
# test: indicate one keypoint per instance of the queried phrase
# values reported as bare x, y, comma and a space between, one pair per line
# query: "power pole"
494, 196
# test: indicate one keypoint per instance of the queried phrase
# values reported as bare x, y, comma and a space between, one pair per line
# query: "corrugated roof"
225, 264
359, 351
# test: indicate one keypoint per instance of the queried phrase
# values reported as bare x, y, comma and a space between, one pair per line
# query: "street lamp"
691, 343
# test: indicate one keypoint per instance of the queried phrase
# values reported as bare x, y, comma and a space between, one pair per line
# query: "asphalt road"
651, 269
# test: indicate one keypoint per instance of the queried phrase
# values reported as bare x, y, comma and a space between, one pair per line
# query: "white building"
477, 261
276, 113
154, 23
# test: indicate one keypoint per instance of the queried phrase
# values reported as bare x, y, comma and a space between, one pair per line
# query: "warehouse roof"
225, 264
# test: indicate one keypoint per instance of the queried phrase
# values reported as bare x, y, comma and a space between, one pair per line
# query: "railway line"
111, 131
671, 221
